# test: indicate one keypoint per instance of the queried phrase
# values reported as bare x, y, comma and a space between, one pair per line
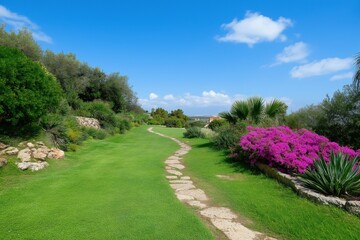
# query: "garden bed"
351, 206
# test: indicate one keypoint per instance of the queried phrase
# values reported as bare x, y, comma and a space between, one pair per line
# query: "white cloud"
169, 97
18, 22
294, 53
255, 28
322, 67
217, 101
153, 96
347, 75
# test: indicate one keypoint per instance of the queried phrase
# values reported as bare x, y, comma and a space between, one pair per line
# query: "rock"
3, 162
181, 181
10, 151
185, 178
180, 187
353, 207
39, 154
197, 194
88, 122
171, 177
23, 165
33, 166
3, 146
30, 145
22, 144
170, 161
218, 212
56, 153
197, 204
234, 230
177, 173
24, 155
177, 166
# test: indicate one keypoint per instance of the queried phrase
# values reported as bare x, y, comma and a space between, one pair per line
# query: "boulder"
56, 153
33, 166
39, 154
30, 145
24, 155
3, 146
10, 151
3, 162
353, 207
88, 122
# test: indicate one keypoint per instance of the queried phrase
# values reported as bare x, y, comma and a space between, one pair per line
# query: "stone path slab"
222, 218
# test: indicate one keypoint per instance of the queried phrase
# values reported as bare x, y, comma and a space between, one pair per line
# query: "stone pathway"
185, 190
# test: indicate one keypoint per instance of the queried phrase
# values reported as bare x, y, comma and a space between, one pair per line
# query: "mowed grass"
265, 204
110, 189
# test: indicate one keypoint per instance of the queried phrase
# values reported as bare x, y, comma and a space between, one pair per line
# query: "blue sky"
203, 55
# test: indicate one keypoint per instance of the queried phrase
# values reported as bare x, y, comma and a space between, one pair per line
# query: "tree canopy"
27, 89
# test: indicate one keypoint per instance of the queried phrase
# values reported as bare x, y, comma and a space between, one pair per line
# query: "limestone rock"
177, 166
197, 194
3, 146
56, 153
218, 212
39, 154
24, 155
30, 145
171, 177
197, 204
88, 122
10, 151
33, 166
353, 207
3, 162
180, 187
177, 173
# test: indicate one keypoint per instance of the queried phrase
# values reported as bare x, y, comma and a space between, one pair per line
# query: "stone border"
222, 218
293, 182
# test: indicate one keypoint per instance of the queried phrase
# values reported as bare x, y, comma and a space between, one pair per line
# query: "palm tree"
254, 110
357, 73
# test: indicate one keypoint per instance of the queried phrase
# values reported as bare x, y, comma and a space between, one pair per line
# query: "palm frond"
228, 117
240, 109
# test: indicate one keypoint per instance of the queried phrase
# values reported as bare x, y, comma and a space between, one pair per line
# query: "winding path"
222, 218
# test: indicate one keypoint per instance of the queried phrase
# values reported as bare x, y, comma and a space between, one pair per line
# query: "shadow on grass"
238, 165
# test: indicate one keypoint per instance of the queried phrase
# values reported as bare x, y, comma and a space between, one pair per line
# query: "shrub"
288, 150
208, 133
101, 111
96, 133
227, 138
174, 122
27, 90
216, 124
338, 176
199, 124
72, 147
193, 132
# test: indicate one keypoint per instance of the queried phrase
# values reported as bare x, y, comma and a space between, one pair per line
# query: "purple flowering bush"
287, 150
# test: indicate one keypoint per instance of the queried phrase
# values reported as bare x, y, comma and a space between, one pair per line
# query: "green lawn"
266, 205
109, 189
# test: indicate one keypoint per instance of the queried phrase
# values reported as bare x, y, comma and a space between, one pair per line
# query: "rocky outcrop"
56, 153
88, 122
9, 151
293, 182
32, 156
